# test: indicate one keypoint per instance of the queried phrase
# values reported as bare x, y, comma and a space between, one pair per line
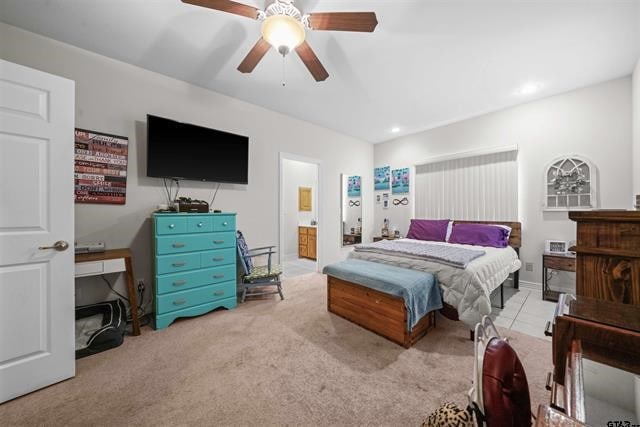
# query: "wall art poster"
353, 186
400, 181
382, 177
100, 167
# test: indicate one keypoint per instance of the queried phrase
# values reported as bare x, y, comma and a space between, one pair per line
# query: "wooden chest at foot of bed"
376, 311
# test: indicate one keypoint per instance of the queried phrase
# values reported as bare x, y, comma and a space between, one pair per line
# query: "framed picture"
400, 181
100, 169
385, 200
382, 177
353, 186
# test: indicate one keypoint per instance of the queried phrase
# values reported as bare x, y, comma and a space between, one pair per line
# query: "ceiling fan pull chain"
284, 81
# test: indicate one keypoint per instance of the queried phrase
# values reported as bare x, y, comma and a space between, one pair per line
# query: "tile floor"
524, 311
298, 267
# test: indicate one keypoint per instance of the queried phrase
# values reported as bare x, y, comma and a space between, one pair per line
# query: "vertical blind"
483, 187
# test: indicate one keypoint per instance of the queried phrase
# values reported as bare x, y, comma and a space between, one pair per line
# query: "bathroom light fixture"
395, 129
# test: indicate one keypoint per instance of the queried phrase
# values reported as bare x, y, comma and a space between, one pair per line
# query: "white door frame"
319, 240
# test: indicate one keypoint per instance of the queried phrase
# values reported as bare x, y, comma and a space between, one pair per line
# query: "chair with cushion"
257, 276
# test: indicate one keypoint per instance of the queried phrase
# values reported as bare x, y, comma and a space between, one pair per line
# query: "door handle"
220, 258
218, 276
218, 293
59, 246
178, 245
180, 302
179, 264
218, 242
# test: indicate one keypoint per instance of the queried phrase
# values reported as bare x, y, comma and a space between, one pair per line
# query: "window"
571, 183
476, 187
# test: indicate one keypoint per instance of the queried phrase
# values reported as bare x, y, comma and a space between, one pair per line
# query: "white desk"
111, 261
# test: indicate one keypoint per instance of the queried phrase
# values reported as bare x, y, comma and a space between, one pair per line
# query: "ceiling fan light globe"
283, 32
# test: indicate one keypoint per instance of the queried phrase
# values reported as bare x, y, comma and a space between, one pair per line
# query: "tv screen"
184, 151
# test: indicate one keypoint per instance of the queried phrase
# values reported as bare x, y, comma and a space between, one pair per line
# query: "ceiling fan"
284, 27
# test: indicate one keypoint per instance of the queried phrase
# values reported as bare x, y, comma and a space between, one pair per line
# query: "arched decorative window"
571, 183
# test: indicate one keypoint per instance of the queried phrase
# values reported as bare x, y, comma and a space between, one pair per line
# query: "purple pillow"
434, 230
480, 235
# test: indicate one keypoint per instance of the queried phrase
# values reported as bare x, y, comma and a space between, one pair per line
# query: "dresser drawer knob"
200, 224
218, 258
179, 264
172, 226
180, 302
218, 293
180, 283
218, 276
218, 242
178, 245
224, 224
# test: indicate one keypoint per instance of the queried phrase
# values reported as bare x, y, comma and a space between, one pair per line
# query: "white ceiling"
428, 62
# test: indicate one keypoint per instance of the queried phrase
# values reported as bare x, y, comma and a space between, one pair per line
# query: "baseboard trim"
534, 286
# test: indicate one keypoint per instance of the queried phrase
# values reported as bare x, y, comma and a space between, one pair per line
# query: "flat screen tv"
185, 151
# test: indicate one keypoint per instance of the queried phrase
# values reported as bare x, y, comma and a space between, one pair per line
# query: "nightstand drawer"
199, 224
559, 263
174, 263
218, 257
192, 279
171, 225
194, 242
189, 298
224, 223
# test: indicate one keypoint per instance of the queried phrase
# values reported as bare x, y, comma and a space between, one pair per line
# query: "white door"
36, 210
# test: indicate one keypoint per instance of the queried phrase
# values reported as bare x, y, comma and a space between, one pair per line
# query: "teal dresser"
195, 264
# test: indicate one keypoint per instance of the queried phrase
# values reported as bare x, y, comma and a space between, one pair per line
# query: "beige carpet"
269, 362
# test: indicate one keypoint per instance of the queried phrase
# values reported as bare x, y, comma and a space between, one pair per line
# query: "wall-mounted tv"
185, 151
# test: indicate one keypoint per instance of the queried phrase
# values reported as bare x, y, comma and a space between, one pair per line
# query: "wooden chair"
260, 276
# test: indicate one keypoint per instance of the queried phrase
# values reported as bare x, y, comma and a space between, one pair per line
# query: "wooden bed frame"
376, 311
386, 314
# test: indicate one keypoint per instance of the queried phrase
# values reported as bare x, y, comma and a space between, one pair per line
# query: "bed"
466, 292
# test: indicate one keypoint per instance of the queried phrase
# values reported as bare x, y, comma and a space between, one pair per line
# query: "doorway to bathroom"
299, 215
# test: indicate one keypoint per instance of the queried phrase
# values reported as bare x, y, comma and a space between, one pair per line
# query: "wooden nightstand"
378, 238
562, 262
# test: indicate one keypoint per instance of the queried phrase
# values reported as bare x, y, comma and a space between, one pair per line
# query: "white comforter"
469, 289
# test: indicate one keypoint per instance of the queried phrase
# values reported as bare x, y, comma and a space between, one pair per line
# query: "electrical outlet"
528, 266
140, 285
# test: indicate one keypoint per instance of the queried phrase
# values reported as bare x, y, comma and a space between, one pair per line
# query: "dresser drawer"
189, 298
171, 225
199, 224
192, 279
173, 263
218, 257
195, 242
224, 223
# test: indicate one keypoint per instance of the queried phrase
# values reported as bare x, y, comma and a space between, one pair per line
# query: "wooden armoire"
608, 255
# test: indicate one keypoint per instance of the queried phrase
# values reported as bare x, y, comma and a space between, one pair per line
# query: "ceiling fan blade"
312, 62
227, 6
344, 21
254, 56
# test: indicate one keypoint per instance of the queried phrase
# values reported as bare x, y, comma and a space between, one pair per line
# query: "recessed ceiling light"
529, 88
395, 130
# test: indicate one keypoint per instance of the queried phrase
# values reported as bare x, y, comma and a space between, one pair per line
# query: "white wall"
297, 174
115, 97
594, 122
636, 130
